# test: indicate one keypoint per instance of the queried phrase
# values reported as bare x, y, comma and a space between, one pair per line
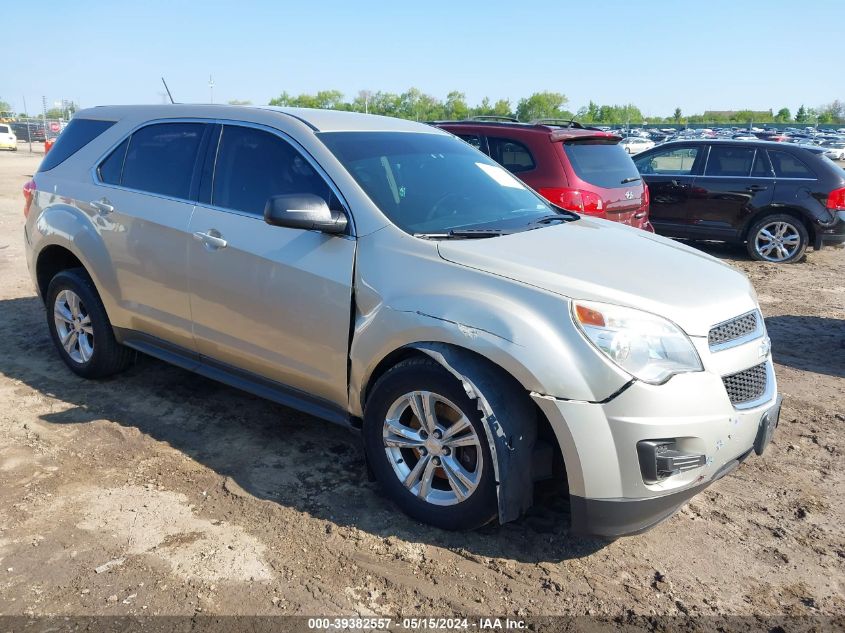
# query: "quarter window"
511, 155
729, 161
253, 165
161, 158
789, 166
77, 134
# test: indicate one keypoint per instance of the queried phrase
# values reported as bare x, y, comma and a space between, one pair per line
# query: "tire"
437, 504
91, 350
785, 232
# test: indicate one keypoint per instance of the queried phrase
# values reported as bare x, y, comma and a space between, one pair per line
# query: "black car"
28, 131
778, 198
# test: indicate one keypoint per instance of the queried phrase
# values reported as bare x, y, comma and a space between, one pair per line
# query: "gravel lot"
200, 499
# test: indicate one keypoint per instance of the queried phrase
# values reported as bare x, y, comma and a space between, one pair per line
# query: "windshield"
601, 164
434, 184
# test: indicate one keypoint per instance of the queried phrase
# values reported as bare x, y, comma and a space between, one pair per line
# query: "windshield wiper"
631, 179
462, 234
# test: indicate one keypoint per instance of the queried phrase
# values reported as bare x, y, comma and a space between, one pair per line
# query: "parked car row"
389, 277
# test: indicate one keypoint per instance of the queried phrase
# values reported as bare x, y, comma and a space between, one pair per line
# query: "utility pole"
211, 87
28, 129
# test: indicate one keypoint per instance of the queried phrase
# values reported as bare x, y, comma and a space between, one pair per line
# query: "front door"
269, 300
670, 176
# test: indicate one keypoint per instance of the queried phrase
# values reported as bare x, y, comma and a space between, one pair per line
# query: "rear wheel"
428, 448
778, 238
80, 328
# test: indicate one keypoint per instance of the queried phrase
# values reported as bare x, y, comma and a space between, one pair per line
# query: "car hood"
597, 260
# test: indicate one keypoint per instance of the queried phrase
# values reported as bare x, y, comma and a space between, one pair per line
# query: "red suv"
577, 168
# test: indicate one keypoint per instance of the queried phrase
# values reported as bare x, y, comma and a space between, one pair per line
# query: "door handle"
212, 239
753, 188
675, 183
102, 206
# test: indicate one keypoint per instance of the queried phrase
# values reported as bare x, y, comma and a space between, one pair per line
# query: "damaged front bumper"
612, 491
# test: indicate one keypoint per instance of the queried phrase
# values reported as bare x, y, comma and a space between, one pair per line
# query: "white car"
8, 140
636, 144
835, 150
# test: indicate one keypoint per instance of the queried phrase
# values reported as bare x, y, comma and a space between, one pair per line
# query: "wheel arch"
511, 435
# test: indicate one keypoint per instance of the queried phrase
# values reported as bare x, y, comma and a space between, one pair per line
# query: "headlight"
648, 347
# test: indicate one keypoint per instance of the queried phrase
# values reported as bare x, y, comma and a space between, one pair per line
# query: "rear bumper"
829, 235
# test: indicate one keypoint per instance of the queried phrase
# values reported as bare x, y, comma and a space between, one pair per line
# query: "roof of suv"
734, 142
546, 127
317, 119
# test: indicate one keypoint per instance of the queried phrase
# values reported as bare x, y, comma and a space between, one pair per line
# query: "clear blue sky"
656, 54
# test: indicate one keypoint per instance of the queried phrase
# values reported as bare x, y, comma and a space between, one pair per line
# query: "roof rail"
494, 117
554, 121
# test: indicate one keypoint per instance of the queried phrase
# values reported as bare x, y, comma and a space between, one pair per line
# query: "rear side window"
787, 165
111, 169
4, 129
473, 139
601, 164
160, 158
510, 154
729, 161
76, 135
253, 165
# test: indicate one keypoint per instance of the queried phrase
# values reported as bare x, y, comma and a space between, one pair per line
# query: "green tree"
783, 115
801, 116
5, 106
327, 99
456, 106
676, 116
543, 105
502, 107
240, 102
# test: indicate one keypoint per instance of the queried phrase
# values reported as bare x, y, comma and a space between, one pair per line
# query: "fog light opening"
660, 459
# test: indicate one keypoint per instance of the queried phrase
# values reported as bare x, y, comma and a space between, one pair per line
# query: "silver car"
384, 275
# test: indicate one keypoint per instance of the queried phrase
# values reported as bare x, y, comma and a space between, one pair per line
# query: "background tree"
543, 105
801, 115
5, 106
676, 116
240, 102
456, 106
783, 115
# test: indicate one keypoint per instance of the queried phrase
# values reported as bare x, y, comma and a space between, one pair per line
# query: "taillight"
576, 200
836, 200
28, 192
646, 195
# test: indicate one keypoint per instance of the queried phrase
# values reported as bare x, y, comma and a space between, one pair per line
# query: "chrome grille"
746, 385
733, 329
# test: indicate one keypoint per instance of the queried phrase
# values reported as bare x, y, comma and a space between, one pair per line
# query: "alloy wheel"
73, 325
777, 241
433, 448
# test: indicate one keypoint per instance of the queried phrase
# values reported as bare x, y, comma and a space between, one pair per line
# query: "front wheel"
778, 238
427, 446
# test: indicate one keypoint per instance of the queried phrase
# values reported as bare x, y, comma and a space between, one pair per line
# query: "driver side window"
253, 165
674, 162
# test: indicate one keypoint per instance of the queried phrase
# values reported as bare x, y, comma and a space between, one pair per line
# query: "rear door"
147, 184
736, 183
268, 300
670, 176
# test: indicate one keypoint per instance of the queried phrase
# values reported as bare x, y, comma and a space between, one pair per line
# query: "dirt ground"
200, 499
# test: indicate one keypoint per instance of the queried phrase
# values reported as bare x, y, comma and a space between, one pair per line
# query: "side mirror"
304, 211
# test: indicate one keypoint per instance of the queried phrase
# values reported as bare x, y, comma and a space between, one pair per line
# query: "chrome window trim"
758, 332
95, 177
